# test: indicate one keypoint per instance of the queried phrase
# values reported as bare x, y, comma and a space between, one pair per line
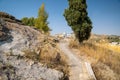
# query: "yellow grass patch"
115, 48
102, 53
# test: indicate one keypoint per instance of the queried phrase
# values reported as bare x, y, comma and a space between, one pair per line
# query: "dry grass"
109, 46
50, 55
106, 58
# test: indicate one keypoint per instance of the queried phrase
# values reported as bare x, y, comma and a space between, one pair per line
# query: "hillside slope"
15, 40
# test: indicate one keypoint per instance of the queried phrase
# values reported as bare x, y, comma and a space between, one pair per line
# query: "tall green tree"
77, 18
41, 21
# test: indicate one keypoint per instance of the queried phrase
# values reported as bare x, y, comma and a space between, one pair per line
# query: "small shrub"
32, 55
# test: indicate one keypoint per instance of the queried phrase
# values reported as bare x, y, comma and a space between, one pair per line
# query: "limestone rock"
4, 31
14, 39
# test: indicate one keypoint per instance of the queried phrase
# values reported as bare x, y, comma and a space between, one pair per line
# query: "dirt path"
77, 66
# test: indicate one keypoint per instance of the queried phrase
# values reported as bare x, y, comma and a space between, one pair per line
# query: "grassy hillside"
103, 56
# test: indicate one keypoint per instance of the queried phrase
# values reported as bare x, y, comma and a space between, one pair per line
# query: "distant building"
115, 43
65, 35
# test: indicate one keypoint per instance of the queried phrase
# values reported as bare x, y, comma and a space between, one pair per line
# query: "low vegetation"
104, 58
113, 38
50, 56
28, 21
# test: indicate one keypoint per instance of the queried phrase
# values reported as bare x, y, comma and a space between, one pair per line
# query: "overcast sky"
105, 14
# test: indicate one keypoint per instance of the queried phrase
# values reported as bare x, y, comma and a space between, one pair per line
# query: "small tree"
25, 20
31, 21
28, 21
41, 21
77, 17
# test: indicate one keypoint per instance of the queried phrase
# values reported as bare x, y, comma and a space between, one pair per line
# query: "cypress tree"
77, 17
41, 21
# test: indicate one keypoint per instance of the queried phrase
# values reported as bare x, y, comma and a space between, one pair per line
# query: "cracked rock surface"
12, 64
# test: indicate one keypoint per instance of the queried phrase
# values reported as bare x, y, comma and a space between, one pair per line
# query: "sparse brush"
101, 53
51, 57
31, 55
73, 44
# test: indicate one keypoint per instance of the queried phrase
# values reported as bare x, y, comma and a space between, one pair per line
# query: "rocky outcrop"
4, 31
15, 68
9, 18
7, 72
14, 40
